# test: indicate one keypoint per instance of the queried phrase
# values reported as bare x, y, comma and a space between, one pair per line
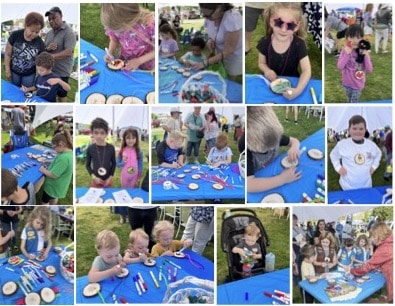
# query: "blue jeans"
22, 80
195, 146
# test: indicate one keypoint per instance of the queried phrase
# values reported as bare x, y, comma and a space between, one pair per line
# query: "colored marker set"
284, 298
88, 77
18, 169
319, 197
141, 286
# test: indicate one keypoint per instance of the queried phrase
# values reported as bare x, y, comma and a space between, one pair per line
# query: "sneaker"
286, 120
385, 51
296, 122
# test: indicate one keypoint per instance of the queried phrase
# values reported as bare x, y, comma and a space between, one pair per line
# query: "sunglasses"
278, 22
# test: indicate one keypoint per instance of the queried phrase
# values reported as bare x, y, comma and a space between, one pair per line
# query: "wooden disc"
137, 200
40, 258
114, 99
182, 175
132, 100
218, 186
118, 65
91, 289
273, 198
186, 74
179, 255
315, 154
279, 85
150, 262
197, 77
187, 170
96, 98
47, 295
9, 288
193, 186
123, 274
196, 176
365, 277
287, 164
181, 70
50, 270
41, 159
164, 68
150, 97
32, 298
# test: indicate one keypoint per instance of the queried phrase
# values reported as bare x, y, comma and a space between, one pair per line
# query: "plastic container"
270, 260
227, 213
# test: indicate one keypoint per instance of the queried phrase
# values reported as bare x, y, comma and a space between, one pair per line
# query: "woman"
211, 130
320, 229
21, 51
223, 25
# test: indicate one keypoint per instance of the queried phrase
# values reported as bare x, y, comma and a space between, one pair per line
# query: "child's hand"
117, 269
53, 81
175, 165
24, 88
108, 182
109, 58
342, 171
32, 256
293, 154
168, 253
372, 170
132, 64
290, 175
270, 75
142, 257
348, 47
187, 243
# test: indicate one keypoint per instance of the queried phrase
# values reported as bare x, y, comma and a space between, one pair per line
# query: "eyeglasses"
278, 22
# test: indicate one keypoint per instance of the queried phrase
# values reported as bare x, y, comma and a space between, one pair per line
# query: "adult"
382, 22
253, 10
310, 232
60, 43
211, 130
21, 50
298, 241
143, 217
320, 229
9, 219
18, 117
388, 155
296, 113
177, 25
194, 122
367, 21
174, 123
347, 231
313, 14
334, 23
223, 24
238, 124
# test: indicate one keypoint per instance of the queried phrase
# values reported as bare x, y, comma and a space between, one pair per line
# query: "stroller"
232, 233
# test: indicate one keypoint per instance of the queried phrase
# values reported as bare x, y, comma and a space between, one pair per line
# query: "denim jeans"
22, 80
195, 146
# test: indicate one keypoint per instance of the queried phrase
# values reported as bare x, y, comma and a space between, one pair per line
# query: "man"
60, 43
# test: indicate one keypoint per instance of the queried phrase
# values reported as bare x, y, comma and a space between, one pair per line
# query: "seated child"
14, 194
220, 154
307, 268
265, 136
138, 247
163, 234
47, 83
169, 151
168, 46
36, 236
248, 247
362, 250
346, 256
195, 56
109, 262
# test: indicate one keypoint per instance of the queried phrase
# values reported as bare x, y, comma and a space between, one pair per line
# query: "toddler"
220, 154
249, 247
138, 247
307, 268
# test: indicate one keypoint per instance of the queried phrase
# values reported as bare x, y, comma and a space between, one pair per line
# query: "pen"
154, 279
137, 286
313, 95
93, 56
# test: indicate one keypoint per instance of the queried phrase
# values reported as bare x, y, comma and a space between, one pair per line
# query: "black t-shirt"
5, 217
101, 157
285, 64
166, 154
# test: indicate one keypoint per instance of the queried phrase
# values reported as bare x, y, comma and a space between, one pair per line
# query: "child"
283, 51
131, 28
109, 262
356, 158
168, 46
326, 254
138, 247
47, 83
307, 268
265, 136
59, 173
220, 154
100, 156
36, 236
196, 55
169, 151
249, 247
382, 259
346, 256
354, 62
362, 250
130, 158
14, 194
163, 233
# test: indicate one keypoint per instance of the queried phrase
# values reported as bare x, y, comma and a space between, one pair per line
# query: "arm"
24, 251
120, 162
7, 237
112, 47
130, 260
95, 275
46, 172
140, 163
7, 60
259, 184
136, 62
304, 78
266, 70
47, 249
63, 84
293, 151
237, 250
69, 44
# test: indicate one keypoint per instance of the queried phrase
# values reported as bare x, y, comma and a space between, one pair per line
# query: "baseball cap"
53, 10
175, 110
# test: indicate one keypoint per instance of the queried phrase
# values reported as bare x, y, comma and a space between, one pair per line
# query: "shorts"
45, 198
252, 15
61, 92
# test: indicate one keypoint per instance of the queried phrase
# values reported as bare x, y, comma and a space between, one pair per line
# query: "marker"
140, 283
174, 274
137, 286
154, 279
160, 273
173, 264
246, 296
276, 297
313, 95
93, 56
142, 280
281, 293
169, 273
109, 55
9, 269
22, 288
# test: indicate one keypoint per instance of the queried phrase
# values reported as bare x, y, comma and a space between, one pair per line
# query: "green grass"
277, 231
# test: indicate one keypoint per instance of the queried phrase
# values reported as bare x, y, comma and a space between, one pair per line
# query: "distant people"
382, 23
367, 20
174, 123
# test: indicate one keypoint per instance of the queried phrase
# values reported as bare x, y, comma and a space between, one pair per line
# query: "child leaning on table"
47, 83
346, 255
14, 194
307, 268
265, 136
36, 235
109, 262
220, 154
196, 56
169, 152
163, 234
363, 250
138, 247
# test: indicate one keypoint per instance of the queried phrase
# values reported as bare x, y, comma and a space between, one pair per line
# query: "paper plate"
287, 164
218, 186
91, 289
150, 262
96, 98
114, 99
273, 198
32, 298
182, 175
123, 274
132, 100
9, 288
196, 176
278, 86
179, 255
47, 295
150, 97
118, 65
193, 186
315, 154
50, 270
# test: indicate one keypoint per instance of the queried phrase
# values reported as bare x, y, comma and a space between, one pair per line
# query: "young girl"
326, 254
131, 30
354, 62
36, 235
138, 247
168, 46
346, 256
220, 154
59, 173
130, 158
283, 51
163, 234
211, 130
362, 250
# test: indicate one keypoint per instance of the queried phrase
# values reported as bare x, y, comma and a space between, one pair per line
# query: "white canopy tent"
48, 112
376, 117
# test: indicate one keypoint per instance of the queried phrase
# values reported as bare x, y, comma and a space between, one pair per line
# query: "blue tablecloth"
234, 91
292, 192
18, 157
358, 196
13, 93
235, 292
125, 288
133, 192
66, 289
257, 92
369, 287
205, 190
137, 84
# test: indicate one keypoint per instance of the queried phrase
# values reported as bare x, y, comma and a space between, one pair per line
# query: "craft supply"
173, 264
160, 273
154, 279
137, 286
167, 185
174, 274
276, 297
313, 95
142, 281
281, 293
246, 296
92, 56
168, 273
109, 55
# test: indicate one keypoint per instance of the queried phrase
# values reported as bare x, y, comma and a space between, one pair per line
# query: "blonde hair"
379, 232
135, 234
107, 239
177, 136
252, 230
160, 227
296, 8
121, 16
221, 141
264, 129
43, 213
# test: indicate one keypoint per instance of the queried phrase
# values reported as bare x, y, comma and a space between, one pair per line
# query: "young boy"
307, 268
138, 247
100, 156
249, 247
346, 256
195, 56
14, 194
356, 158
109, 262
265, 136
169, 151
220, 154
47, 83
